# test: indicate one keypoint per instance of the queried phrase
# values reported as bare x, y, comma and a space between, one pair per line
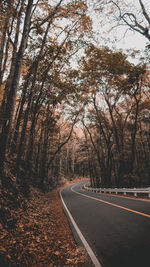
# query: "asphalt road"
117, 229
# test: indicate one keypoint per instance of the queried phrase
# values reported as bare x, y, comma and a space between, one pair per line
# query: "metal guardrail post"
124, 192
135, 193
149, 192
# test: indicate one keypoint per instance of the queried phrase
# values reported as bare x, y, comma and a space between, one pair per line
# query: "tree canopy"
56, 81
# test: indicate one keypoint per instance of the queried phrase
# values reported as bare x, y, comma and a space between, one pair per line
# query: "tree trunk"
11, 100
3, 38
23, 133
133, 135
24, 91
32, 128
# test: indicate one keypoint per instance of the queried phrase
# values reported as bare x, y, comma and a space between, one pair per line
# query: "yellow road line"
115, 205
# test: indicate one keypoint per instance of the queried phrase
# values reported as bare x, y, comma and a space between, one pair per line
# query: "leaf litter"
41, 236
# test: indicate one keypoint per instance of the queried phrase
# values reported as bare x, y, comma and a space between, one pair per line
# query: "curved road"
115, 230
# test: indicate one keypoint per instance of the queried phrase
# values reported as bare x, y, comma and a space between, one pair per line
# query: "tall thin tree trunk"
23, 133
3, 38
32, 128
24, 92
11, 100
134, 132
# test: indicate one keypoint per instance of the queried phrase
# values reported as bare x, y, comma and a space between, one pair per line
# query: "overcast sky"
119, 37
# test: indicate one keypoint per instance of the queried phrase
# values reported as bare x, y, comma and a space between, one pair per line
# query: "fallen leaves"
42, 236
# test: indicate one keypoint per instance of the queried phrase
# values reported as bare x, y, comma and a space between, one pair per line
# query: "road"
116, 229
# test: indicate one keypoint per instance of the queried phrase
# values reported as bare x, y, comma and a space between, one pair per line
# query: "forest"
71, 106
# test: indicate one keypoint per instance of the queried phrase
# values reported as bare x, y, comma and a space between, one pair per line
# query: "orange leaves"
45, 239
86, 23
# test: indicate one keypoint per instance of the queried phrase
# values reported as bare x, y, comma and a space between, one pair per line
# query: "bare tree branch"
144, 12
133, 23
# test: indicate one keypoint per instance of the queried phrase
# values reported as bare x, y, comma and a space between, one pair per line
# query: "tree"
52, 43
13, 79
132, 15
113, 87
133, 20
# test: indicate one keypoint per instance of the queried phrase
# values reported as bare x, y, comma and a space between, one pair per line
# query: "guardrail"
124, 191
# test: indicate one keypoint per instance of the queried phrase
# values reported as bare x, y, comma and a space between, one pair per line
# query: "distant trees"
116, 92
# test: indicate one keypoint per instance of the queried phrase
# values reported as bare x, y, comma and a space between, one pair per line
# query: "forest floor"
41, 236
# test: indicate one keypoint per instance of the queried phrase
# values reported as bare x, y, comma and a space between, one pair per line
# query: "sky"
120, 37
128, 40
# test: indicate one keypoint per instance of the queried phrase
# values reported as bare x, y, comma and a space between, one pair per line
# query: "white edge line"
85, 243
